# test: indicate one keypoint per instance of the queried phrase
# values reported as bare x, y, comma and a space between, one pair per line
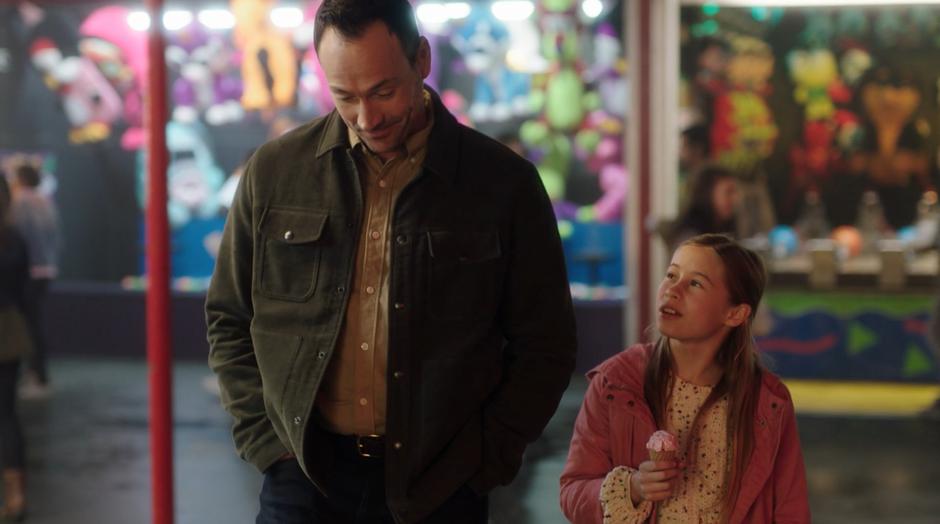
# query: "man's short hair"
350, 18
28, 175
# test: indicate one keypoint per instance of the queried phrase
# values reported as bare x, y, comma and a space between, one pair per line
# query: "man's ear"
738, 315
423, 58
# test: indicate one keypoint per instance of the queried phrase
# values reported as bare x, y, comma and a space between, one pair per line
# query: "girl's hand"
654, 481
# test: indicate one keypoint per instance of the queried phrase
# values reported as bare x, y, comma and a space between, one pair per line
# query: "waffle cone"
662, 456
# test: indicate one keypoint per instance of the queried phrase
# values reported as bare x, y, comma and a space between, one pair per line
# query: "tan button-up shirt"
351, 400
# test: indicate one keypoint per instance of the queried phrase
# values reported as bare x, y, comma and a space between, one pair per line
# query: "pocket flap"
292, 226
466, 247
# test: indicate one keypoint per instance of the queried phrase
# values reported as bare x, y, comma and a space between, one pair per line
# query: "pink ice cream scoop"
662, 446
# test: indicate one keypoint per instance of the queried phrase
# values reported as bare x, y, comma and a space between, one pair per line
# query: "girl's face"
724, 198
693, 300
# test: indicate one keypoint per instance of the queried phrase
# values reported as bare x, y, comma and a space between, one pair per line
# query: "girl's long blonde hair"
738, 358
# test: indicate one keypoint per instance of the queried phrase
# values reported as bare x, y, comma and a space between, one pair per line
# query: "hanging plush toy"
817, 82
893, 153
499, 93
90, 103
602, 150
121, 54
253, 34
561, 96
194, 180
743, 132
204, 85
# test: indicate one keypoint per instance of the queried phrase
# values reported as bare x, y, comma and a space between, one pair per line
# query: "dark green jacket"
481, 329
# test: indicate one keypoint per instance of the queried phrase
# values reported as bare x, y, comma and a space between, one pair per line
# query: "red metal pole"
159, 355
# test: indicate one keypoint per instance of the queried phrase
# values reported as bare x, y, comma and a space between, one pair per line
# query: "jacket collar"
443, 143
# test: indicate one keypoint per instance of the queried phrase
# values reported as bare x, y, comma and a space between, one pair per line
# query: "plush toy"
193, 177
499, 93
817, 82
562, 98
743, 131
608, 73
253, 34
601, 149
90, 103
893, 153
121, 54
205, 83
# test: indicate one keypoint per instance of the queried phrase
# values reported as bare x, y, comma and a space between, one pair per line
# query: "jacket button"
288, 235
321, 355
610, 397
297, 421
402, 240
397, 445
630, 403
398, 374
399, 306
340, 290
773, 405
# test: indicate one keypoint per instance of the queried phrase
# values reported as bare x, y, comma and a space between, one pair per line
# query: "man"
35, 217
389, 317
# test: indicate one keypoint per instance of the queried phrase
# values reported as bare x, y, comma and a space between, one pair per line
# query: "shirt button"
399, 306
341, 290
382, 183
370, 290
402, 240
397, 445
363, 402
364, 346
376, 235
297, 421
412, 160
288, 235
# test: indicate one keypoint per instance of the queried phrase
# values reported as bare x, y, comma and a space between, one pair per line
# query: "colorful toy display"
253, 34
120, 53
499, 92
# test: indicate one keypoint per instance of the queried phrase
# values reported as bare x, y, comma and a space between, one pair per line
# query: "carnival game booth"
829, 118
548, 78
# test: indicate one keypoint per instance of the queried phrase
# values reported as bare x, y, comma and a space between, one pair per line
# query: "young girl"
739, 457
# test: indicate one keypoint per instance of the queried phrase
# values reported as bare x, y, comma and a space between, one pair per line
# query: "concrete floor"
88, 458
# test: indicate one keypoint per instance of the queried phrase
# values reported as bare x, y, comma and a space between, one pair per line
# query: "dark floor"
88, 458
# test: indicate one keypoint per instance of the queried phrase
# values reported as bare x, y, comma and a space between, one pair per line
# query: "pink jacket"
615, 423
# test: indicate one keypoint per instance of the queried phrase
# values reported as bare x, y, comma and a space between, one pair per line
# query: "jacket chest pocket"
290, 253
463, 280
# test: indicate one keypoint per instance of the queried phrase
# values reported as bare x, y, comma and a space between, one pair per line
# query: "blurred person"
14, 345
734, 452
390, 317
35, 217
711, 207
694, 150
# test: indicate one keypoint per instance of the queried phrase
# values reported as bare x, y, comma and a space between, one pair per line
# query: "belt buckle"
361, 446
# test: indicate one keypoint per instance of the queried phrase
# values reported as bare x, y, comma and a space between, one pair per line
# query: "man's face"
377, 91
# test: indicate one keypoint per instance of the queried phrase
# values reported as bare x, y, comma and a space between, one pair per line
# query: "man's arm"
229, 311
537, 320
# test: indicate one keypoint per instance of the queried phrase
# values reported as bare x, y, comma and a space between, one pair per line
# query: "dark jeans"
357, 496
35, 298
12, 455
